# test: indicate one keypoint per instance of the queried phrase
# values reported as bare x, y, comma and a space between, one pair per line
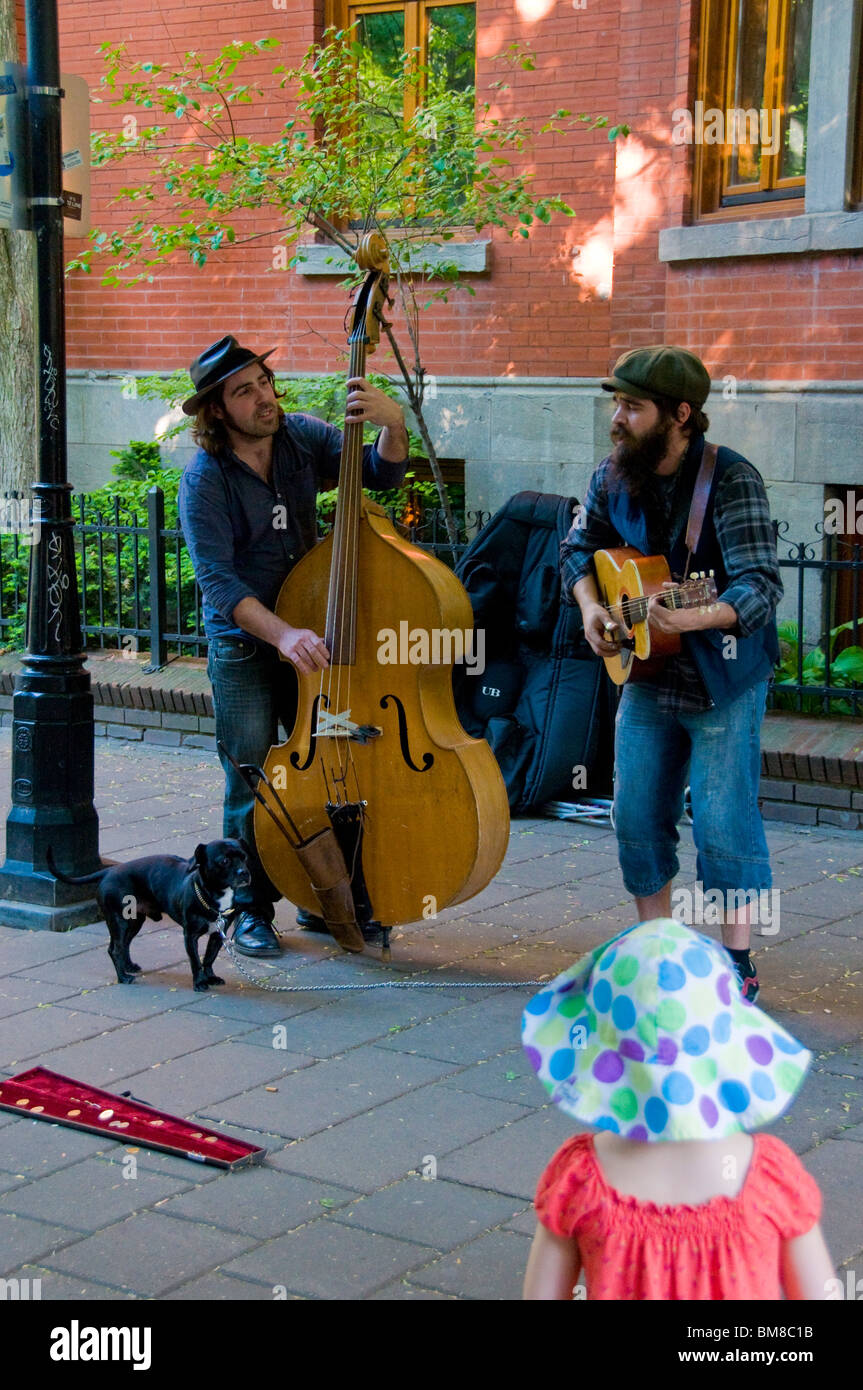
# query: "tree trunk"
17, 314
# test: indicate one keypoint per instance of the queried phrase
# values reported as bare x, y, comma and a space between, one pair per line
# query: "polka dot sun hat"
648, 1036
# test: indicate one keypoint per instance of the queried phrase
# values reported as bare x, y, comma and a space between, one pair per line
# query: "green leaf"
849, 663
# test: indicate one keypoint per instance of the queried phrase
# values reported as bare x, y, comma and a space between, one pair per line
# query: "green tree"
346, 163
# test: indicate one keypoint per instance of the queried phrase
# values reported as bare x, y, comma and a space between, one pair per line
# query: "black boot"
254, 936
307, 921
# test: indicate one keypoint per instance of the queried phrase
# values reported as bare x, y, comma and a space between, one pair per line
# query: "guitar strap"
700, 494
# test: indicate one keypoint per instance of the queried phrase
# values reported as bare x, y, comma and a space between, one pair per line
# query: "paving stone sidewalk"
404, 1130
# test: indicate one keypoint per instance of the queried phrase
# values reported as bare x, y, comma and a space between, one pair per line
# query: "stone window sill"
780, 236
471, 258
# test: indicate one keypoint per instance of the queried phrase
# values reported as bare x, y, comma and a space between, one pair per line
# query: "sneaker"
749, 986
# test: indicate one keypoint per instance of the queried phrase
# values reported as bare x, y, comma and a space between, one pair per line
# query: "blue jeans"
721, 751
252, 691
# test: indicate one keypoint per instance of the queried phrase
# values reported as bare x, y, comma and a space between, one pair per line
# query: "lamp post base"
43, 917
52, 799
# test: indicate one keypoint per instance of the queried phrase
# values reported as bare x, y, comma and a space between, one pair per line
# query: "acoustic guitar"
627, 580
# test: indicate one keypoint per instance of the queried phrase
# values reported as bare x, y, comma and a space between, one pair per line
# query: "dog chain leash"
374, 984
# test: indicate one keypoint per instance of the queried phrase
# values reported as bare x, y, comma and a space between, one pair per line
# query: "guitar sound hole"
624, 601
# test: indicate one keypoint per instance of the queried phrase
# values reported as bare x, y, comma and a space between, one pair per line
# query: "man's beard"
259, 427
635, 461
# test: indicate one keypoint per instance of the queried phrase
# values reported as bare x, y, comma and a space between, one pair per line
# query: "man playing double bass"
247, 509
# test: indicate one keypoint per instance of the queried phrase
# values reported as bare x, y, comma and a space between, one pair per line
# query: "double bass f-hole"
313, 725
428, 758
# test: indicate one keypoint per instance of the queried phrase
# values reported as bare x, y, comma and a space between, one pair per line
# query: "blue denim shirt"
228, 514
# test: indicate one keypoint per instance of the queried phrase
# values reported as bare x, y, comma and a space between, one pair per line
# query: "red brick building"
745, 244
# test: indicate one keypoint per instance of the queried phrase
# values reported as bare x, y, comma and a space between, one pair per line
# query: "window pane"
380, 73
383, 38
452, 46
796, 96
747, 91
450, 90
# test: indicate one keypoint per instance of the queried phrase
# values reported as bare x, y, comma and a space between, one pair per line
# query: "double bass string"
345, 555
351, 558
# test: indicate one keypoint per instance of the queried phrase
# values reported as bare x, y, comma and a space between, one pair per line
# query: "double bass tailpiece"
321, 856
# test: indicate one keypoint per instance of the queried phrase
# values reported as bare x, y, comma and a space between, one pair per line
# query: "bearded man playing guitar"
697, 718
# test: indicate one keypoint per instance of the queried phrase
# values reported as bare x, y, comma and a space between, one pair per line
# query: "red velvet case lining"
46, 1095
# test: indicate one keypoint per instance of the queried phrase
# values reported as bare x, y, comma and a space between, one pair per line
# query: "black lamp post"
52, 730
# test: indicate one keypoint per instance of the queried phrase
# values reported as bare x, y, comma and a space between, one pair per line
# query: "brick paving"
356, 1096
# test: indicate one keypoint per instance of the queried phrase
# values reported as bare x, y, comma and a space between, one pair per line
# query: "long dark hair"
209, 432
697, 423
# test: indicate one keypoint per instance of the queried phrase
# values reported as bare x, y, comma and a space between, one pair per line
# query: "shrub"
846, 671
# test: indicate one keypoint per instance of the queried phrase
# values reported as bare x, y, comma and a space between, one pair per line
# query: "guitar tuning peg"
711, 574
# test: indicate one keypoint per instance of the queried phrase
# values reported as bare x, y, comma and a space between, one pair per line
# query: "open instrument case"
46, 1095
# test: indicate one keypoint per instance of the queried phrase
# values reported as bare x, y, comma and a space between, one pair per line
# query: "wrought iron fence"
130, 601
127, 602
821, 665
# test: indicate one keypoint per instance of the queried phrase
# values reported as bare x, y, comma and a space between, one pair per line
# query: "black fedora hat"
215, 365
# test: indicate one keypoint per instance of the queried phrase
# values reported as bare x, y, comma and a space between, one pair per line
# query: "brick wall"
531, 316
542, 311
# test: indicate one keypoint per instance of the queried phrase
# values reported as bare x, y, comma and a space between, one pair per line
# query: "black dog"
194, 892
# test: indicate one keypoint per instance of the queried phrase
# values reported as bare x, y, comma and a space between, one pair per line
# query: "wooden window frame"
342, 13
773, 196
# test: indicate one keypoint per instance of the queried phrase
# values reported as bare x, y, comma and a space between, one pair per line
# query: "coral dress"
727, 1248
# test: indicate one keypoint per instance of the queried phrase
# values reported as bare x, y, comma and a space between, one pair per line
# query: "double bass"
377, 754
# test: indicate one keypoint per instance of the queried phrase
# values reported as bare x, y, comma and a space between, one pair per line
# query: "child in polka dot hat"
648, 1041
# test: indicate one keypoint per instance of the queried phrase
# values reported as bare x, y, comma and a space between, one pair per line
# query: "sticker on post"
73, 159
7, 163
72, 205
5, 211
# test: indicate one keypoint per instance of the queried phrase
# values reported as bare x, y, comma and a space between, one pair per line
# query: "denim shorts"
718, 752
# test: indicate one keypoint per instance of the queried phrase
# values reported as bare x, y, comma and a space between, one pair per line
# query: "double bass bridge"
342, 726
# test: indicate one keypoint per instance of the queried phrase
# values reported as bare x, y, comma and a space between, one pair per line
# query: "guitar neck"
637, 607
688, 595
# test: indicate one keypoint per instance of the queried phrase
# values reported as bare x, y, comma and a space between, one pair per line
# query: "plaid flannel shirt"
741, 516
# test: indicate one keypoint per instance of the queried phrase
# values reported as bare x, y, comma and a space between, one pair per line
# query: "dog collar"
211, 907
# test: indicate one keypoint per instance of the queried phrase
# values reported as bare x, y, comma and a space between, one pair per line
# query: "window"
750, 127
441, 32
439, 38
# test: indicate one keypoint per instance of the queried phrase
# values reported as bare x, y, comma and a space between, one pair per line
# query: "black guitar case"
543, 700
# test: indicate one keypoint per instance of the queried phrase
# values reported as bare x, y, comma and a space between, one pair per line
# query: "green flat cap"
661, 371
